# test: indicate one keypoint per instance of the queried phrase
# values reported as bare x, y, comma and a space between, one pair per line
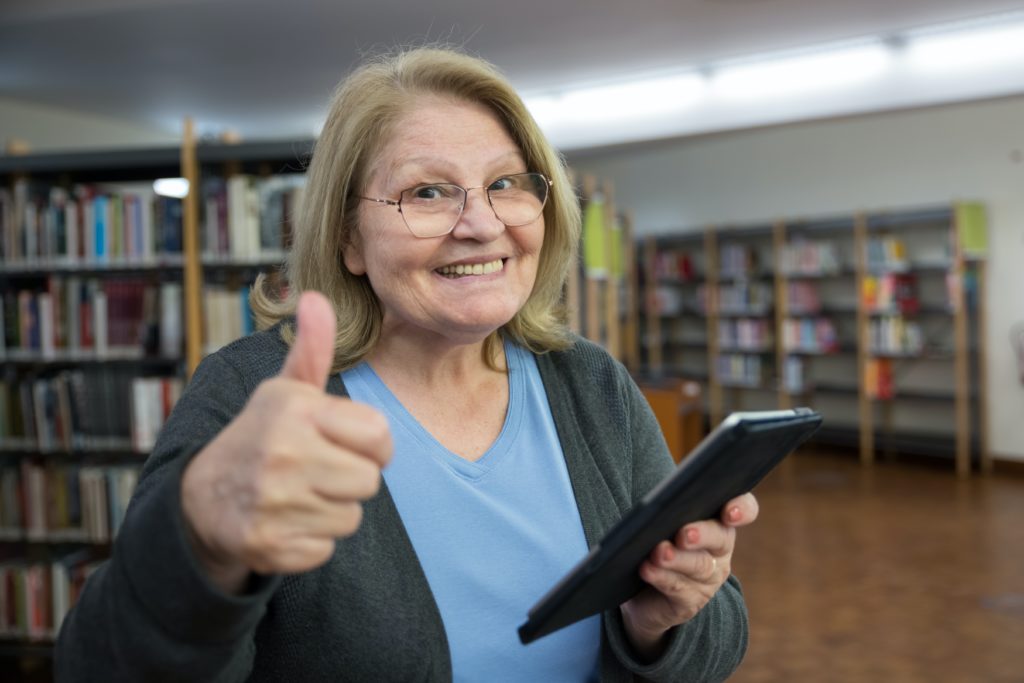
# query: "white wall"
48, 129
890, 160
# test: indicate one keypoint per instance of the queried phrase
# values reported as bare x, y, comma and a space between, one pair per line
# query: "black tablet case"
727, 463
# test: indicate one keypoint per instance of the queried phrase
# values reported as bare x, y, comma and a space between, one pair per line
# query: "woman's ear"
352, 255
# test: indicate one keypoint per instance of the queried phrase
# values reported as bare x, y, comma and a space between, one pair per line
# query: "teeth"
474, 269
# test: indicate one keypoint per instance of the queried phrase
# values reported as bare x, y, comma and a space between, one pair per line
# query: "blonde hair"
362, 116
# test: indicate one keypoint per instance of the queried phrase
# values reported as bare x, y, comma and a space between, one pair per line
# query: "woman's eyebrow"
435, 164
440, 163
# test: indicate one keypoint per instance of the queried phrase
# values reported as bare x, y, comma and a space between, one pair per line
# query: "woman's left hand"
683, 575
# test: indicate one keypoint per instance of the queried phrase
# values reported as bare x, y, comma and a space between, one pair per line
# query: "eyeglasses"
434, 210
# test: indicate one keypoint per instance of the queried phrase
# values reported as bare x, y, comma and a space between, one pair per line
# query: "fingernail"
667, 555
734, 514
692, 536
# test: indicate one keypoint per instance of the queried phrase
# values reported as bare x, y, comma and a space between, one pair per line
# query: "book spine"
44, 303
101, 234
170, 320
99, 324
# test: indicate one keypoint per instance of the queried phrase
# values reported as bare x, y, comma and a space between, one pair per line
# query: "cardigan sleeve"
149, 613
710, 646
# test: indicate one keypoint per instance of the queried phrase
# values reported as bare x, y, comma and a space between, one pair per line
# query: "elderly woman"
423, 331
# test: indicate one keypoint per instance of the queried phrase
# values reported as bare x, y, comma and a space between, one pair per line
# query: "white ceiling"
265, 68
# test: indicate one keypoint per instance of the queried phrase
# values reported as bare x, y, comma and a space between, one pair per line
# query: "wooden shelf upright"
715, 398
193, 269
781, 310
610, 295
865, 407
631, 294
652, 322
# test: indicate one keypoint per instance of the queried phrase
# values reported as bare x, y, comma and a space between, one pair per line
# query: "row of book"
746, 298
244, 218
886, 252
226, 314
247, 217
671, 301
153, 399
64, 503
675, 265
893, 334
794, 375
806, 257
802, 298
87, 223
741, 298
890, 292
878, 379
85, 409
810, 335
745, 334
35, 596
736, 369
737, 261
74, 318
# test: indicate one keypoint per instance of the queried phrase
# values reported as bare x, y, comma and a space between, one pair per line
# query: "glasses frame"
465, 199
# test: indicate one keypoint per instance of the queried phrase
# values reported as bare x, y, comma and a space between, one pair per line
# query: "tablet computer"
727, 463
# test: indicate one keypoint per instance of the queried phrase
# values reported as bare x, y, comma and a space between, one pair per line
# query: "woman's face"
443, 141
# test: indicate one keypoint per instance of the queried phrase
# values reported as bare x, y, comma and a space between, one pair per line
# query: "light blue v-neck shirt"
492, 535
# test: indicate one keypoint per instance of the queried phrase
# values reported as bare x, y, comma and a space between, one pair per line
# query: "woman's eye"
502, 184
427, 192
434, 193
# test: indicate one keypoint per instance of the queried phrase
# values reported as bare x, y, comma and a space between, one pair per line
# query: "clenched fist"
287, 476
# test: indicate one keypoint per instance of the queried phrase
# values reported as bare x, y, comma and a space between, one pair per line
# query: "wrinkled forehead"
442, 135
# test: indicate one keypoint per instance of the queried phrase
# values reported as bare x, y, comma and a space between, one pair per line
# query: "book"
170, 320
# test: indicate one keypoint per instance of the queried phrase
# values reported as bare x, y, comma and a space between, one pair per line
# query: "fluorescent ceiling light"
968, 46
800, 73
926, 66
171, 187
641, 99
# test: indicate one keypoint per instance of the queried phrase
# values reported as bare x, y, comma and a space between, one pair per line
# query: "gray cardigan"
368, 614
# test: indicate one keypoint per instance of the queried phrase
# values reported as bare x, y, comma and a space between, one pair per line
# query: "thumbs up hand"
287, 476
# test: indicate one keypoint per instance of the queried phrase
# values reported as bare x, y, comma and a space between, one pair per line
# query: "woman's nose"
478, 220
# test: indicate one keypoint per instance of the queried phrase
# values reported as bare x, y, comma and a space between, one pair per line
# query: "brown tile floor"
897, 573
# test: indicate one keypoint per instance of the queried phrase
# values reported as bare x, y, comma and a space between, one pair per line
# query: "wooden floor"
897, 573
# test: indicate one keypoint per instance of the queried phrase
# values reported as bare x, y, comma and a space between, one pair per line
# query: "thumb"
312, 352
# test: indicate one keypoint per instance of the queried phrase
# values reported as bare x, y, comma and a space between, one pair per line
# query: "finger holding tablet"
646, 565
684, 574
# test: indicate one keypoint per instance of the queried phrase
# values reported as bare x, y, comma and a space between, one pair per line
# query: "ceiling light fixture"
926, 66
640, 99
996, 41
802, 72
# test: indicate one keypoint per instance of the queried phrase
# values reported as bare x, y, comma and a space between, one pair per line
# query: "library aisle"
898, 572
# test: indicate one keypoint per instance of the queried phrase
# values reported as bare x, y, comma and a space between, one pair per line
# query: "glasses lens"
518, 199
432, 210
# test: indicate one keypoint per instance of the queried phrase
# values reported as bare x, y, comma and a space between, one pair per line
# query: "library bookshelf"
876, 319
112, 295
92, 356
